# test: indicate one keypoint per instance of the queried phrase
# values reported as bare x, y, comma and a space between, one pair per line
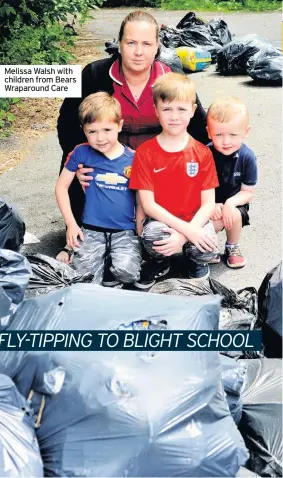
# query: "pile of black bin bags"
249, 55
137, 414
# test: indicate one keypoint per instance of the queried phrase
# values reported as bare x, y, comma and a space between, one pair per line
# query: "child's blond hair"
226, 108
98, 107
174, 87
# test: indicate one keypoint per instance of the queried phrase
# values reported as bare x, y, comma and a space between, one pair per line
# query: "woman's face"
138, 46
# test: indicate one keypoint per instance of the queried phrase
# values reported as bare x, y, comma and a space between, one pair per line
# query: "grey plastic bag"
233, 377
14, 276
49, 275
126, 413
19, 451
261, 423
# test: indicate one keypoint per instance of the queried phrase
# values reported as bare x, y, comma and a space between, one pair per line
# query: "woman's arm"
197, 126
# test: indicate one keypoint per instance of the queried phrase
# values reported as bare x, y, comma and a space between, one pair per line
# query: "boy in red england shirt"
176, 178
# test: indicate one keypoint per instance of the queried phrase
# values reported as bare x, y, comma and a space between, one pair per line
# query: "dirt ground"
35, 117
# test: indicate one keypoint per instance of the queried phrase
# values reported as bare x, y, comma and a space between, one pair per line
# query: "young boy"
175, 177
228, 126
108, 232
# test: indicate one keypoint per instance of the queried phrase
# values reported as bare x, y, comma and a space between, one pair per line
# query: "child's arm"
244, 196
193, 233
229, 209
61, 192
140, 215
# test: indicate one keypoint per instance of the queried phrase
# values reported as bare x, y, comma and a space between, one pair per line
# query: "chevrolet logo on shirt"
111, 178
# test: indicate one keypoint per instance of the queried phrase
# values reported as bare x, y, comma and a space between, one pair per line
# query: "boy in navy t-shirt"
107, 236
227, 126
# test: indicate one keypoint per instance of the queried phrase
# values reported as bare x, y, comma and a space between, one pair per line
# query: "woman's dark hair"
138, 16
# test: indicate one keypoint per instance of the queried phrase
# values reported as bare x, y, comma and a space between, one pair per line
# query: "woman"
128, 78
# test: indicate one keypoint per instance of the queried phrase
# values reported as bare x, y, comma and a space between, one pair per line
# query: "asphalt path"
30, 185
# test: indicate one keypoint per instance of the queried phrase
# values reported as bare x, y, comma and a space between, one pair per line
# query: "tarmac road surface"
30, 185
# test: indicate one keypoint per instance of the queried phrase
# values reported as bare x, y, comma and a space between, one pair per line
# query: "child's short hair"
98, 107
226, 108
174, 86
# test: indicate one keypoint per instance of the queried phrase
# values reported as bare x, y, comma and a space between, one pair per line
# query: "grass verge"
223, 6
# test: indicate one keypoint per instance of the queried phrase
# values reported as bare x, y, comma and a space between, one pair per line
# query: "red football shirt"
176, 179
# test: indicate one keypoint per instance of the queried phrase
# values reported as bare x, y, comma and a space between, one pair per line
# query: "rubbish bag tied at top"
49, 275
270, 312
127, 413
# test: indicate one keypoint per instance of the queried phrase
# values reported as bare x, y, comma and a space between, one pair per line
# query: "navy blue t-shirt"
109, 203
233, 171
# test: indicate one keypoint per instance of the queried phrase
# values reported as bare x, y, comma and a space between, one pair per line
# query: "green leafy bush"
6, 117
34, 32
30, 46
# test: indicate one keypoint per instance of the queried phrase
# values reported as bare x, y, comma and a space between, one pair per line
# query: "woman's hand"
82, 175
72, 234
171, 244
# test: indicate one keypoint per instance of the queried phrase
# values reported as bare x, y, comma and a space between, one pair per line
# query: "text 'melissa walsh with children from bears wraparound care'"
170, 196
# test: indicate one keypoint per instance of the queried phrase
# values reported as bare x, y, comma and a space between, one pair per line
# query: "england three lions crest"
192, 169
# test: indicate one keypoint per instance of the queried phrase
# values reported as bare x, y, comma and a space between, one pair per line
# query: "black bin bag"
189, 20
233, 58
14, 276
218, 29
12, 226
238, 309
19, 451
270, 312
266, 67
48, 274
170, 58
261, 423
126, 413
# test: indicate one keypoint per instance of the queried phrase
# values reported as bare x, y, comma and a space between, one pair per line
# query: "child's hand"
73, 232
217, 213
201, 239
139, 227
171, 244
64, 257
228, 215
